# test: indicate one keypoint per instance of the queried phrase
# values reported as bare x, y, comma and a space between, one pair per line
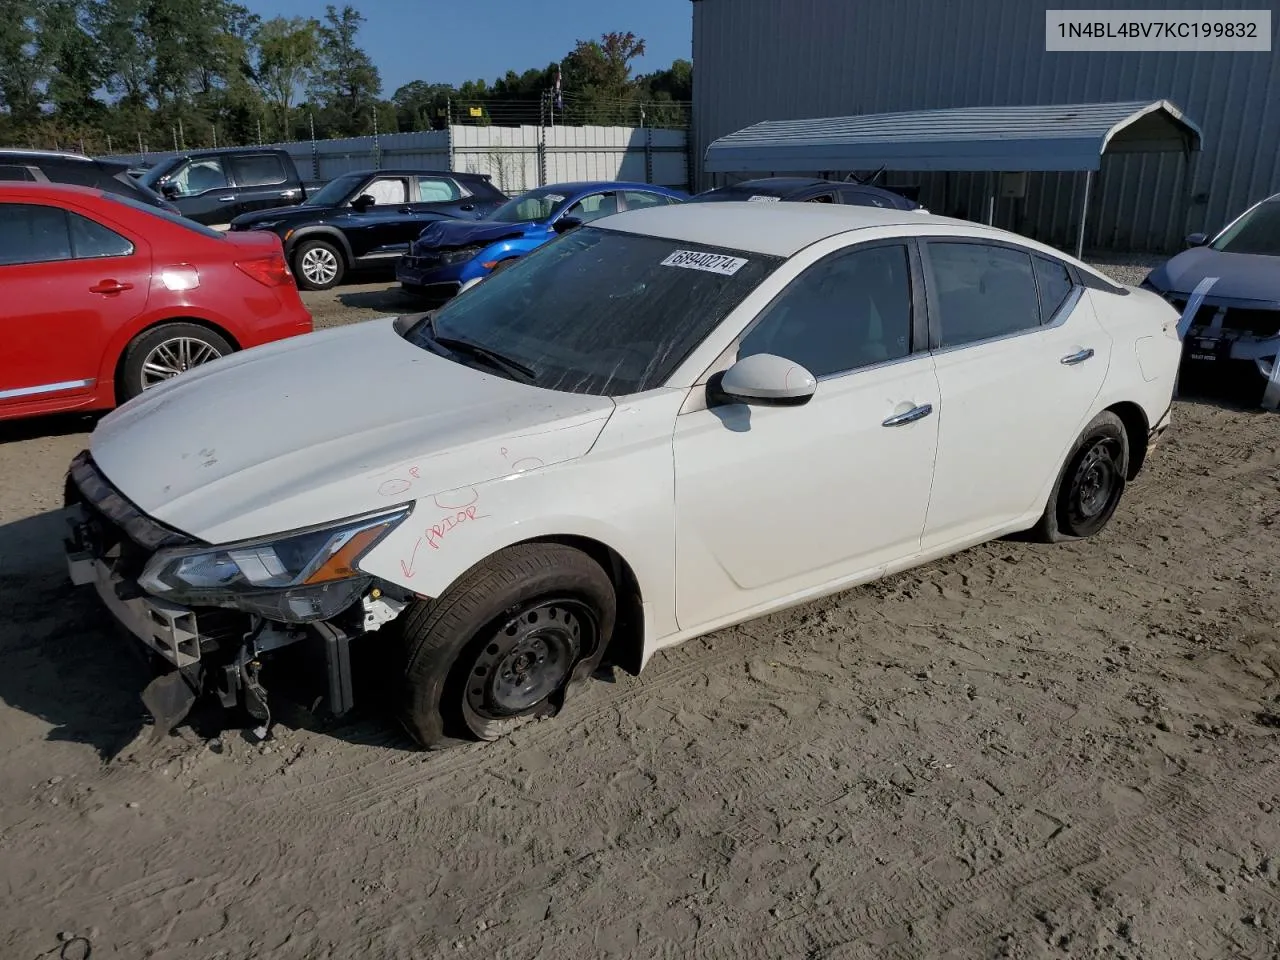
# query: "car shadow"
393, 299
67, 663
48, 425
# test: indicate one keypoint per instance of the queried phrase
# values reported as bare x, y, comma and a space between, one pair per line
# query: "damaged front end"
213, 614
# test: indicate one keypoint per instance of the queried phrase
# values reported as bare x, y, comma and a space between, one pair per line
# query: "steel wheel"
528, 659
1097, 481
319, 265
176, 355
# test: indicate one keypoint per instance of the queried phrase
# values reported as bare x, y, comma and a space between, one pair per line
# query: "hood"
1241, 276
296, 213
464, 233
325, 426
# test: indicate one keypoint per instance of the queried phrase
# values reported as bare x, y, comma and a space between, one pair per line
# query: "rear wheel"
1091, 483
500, 648
318, 265
164, 352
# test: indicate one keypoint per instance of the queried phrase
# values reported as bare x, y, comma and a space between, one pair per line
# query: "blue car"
450, 254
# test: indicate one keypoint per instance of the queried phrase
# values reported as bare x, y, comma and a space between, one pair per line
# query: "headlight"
459, 256
296, 577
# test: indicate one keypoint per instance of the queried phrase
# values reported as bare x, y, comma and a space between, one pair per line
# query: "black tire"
134, 375
324, 251
1090, 485
462, 651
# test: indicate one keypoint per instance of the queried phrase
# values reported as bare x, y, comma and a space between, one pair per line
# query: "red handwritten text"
437, 532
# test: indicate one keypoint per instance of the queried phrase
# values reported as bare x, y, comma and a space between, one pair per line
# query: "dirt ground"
1020, 752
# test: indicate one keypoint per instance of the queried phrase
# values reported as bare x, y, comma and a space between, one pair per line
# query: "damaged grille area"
1244, 320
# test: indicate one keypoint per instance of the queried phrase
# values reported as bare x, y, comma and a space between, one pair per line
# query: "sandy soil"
1019, 752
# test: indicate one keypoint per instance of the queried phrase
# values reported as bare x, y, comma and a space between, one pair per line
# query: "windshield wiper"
513, 368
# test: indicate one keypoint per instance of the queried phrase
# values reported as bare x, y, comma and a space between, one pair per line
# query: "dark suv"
47, 166
367, 219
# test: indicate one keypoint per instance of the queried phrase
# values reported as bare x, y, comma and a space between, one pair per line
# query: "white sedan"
655, 426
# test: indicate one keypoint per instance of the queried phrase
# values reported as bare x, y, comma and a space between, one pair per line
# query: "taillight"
269, 271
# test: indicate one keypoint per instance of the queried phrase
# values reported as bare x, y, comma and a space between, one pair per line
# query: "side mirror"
169, 189
363, 202
766, 380
1197, 240
565, 224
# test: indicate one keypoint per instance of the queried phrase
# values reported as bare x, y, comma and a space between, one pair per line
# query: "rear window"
173, 218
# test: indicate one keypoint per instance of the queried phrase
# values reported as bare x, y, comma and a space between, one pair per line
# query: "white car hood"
329, 425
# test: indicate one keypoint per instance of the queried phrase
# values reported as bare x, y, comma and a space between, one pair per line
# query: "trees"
286, 55
124, 75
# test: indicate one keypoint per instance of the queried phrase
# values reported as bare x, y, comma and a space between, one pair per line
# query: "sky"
474, 40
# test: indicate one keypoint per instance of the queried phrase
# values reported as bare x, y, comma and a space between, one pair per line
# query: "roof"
583, 186
774, 229
42, 154
784, 229
1059, 137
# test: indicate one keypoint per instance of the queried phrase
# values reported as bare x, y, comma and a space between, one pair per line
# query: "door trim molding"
19, 392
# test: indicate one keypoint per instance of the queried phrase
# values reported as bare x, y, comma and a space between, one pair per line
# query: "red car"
105, 296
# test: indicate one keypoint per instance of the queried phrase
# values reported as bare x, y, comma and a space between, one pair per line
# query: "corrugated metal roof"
1008, 138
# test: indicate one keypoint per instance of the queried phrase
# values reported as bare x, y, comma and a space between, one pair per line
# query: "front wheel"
499, 648
1091, 483
317, 265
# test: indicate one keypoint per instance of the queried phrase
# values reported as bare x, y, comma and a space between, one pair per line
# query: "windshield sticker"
710, 262
761, 198
553, 197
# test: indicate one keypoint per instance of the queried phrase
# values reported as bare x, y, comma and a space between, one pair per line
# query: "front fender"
620, 494
316, 232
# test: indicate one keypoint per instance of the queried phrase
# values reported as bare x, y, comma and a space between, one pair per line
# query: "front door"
70, 283
1021, 358
386, 228
202, 190
775, 501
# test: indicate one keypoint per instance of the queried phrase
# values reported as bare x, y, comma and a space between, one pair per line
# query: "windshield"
335, 191
1257, 232
173, 218
600, 312
531, 207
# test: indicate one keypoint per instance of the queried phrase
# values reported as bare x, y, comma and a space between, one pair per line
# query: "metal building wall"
790, 59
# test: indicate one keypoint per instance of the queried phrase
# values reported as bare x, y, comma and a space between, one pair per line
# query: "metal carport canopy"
1066, 137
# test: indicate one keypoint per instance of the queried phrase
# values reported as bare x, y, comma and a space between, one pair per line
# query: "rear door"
70, 282
262, 181
1020, 359
443, 195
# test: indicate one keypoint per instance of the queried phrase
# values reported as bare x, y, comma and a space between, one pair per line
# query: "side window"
11, 171
33, 234
848, 311
821, 198
90, 240
594, 207
437, 190
861, 198
260, 170
983, 291
1055, 286
199, 176
388, 191
637, 200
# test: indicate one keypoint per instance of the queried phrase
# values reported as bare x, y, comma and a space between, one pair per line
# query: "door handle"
467, 206
911, 416
1080, 357
226, 199
110, 287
